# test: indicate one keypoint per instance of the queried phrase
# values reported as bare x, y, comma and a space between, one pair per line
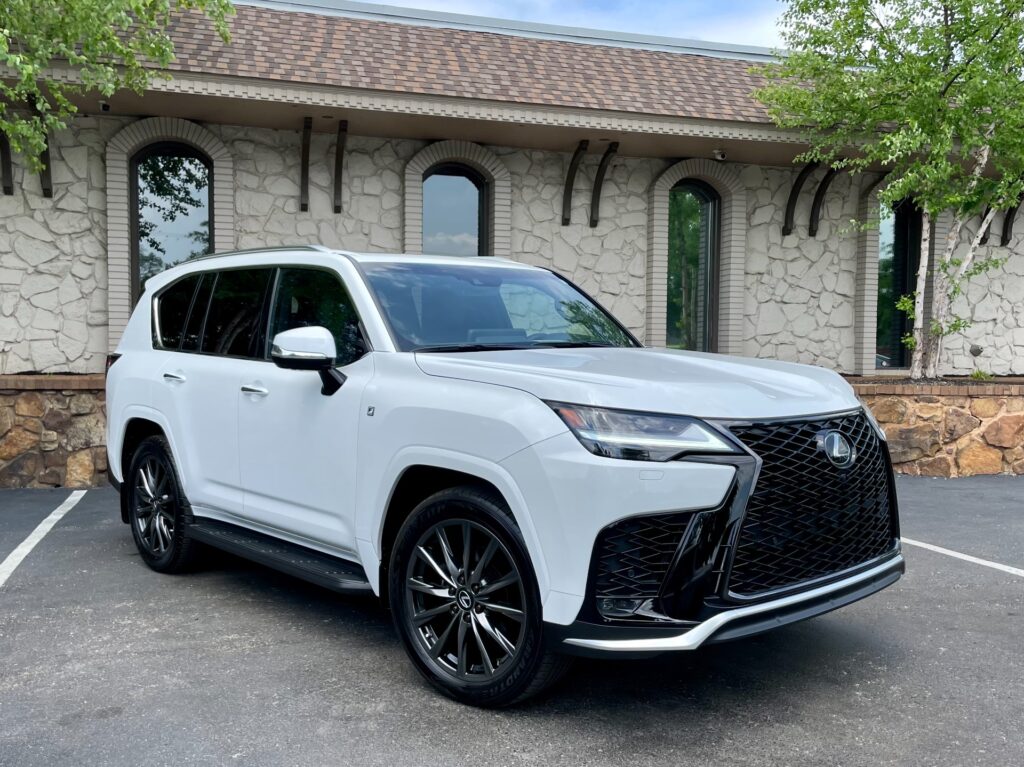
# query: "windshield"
441, 307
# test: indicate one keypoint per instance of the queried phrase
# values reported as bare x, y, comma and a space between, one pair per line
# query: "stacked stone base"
52, 437
951, 431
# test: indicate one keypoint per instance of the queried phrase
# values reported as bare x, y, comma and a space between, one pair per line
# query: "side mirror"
309, 348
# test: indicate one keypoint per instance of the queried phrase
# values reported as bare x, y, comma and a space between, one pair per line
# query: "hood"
654, 380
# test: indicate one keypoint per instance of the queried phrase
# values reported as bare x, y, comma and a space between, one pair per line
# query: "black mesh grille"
806, 517
633, 555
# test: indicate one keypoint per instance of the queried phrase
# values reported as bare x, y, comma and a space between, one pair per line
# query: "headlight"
640, 436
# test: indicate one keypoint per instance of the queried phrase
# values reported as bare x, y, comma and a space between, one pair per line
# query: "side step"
313, 566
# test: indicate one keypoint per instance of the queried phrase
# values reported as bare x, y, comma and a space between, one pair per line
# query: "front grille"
807, 518
634, 555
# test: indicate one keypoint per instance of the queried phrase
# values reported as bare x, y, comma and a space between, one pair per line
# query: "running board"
313, 566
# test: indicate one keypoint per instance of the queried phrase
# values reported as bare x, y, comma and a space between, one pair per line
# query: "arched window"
899, 253
455, 206
171, 206
693, 234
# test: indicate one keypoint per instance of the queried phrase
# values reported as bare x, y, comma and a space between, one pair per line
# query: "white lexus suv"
484, 447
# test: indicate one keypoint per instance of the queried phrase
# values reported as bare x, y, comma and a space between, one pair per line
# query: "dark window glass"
172, 200
194, 328
899, 253
233, 320
309, 298
172, 311
454, 211
427, 305
692, 266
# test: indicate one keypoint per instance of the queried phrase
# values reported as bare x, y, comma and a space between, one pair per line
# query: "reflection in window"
692, 259
171, 190
454, 211
899, 250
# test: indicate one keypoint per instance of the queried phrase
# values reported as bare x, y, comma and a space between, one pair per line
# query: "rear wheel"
157, 508
466, 603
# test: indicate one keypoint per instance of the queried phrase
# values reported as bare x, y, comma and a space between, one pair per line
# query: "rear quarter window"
172, 312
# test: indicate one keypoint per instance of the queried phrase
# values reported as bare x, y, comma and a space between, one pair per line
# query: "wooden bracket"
794, 195
602, 169
307, 130
6, 169
45, 176
339, 162
1008, 225
570, 179
819, 199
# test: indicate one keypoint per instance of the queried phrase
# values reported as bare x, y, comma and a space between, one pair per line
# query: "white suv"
482, 445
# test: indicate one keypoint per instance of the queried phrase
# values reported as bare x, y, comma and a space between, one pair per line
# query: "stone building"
640, 167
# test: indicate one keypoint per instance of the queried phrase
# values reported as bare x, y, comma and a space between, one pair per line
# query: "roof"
447, 58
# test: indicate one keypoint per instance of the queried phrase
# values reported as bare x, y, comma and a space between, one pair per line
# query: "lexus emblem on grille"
837, 449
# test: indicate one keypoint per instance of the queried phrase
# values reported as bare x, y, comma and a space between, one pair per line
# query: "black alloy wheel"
466, 603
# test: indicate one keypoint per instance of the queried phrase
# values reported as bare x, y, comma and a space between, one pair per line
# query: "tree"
930, 91
108, 45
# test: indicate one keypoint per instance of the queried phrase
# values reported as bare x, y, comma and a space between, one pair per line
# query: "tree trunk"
917, 358
943, 304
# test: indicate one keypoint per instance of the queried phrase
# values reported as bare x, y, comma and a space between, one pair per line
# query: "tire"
157, 509
474, 631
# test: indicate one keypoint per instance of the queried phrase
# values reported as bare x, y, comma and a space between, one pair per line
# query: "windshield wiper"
574, 344
470, 348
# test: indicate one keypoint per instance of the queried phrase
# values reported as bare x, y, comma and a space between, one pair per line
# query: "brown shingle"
358, 53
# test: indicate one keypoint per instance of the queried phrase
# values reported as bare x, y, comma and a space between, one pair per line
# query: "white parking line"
15, 557
965, 557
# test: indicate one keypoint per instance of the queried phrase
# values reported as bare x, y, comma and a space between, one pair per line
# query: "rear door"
200, 383
298, 446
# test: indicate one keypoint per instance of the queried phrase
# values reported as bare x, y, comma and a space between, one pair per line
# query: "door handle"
176, 377
257, 391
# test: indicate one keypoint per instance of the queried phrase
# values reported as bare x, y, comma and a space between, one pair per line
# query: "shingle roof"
308, 48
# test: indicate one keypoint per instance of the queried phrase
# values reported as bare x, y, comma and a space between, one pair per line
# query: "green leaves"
919, 86
57, 50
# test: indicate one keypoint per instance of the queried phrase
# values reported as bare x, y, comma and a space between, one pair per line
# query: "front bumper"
590, 639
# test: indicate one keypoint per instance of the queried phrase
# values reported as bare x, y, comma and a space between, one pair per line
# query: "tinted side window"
233, 320
309, 297
172, 311
194, 327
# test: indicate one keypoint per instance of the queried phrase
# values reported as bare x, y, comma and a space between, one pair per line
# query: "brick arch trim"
485, 162
732, 250
120, 149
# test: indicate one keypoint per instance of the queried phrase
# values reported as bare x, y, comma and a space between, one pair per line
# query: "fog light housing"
619, 607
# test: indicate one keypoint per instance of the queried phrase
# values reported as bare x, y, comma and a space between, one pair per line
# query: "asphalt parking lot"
104, 662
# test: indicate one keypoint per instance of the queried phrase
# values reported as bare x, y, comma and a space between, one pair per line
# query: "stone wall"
52, 437
994, 303
951, 431
53, 267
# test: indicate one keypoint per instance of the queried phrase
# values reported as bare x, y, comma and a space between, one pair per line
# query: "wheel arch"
418, 480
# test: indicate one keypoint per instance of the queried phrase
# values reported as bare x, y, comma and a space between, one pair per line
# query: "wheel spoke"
463, 648
428, 615
467, 531
438, 646
499, 584
425, 556
488, 666
446, 550
485, 558
495, 634
508, 612
144, 485
425, 588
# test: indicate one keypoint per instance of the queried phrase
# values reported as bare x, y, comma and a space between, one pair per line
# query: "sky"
749, 22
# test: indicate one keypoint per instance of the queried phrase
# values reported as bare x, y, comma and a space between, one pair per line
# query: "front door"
297, 447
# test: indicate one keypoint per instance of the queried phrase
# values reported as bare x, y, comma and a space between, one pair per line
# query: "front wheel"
465, 601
